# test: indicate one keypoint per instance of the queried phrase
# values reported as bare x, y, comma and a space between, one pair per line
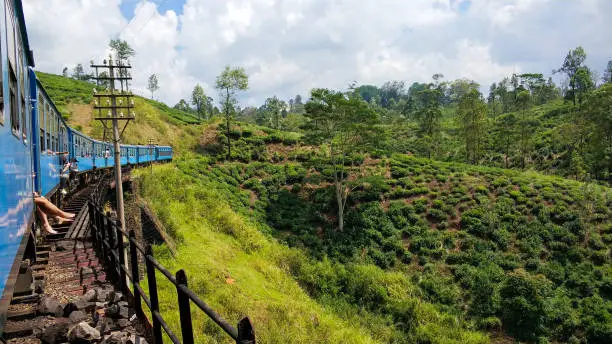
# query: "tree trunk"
340, 206
227, 119
507, 151
229, 143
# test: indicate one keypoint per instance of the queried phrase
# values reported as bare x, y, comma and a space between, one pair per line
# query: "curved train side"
32, 131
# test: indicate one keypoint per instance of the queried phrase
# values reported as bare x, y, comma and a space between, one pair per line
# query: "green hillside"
167, 126
491, 249
432, 251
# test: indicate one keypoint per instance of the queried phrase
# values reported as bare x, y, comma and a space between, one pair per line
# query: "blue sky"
128, 6
289, 47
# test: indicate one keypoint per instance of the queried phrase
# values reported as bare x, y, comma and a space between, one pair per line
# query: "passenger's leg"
51, 209
45, 221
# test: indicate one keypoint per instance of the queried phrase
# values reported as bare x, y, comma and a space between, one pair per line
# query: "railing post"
157, 329
135, 274
102, 230
122, 264
92, 219
184, 308
246, 332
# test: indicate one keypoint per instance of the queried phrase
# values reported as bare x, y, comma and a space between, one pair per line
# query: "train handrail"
108, 238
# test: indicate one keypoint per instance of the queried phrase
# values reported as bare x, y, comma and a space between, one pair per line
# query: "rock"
123, 323
112, 311
100, 305
106, 325
39, 286
124, 312
115, 338
77, 316
134, 339
69, 308
82, 332
56, 332
50, 305
114, 297
84, 305
102, 295
123, 304
89, 296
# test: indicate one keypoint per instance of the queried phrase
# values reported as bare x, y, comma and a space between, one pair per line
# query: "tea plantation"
523, 254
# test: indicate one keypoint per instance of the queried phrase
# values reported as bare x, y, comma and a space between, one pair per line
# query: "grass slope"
525, 252
241, 271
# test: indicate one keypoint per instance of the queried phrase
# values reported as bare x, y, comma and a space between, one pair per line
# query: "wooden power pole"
119, 105
151, 145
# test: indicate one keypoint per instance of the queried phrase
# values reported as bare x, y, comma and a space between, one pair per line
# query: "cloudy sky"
290, 46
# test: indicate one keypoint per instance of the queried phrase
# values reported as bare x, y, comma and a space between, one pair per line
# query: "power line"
132, 21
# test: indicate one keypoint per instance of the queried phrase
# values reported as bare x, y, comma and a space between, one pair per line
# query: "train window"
41, 121
10, 34
56, 131
13, 102
21, 75
1, 94
48, 125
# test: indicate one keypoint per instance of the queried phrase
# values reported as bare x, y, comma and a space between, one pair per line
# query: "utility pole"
113, 101
151, 148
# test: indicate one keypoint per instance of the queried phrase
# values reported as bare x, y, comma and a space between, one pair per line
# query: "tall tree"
153, 84
583, 84
275, 106
298, 105
607, 76
525, 126
229, 83
458, 88
472, 115
507, 134
198, 100
429, 114
104, 83
121, 48
78, 72
182, 105
346, 124
573, 62
598, 111
391, 92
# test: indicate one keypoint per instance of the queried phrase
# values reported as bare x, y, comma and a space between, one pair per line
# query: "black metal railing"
109, 241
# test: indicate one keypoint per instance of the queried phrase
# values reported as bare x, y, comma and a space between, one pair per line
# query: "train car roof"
24, 32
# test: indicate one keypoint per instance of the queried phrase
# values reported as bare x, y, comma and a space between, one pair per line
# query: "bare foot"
60, 220
50, 230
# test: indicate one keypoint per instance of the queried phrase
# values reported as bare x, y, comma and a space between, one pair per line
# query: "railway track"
66, 266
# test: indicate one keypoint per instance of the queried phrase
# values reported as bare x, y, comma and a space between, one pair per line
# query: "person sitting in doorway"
46, 208
65, 174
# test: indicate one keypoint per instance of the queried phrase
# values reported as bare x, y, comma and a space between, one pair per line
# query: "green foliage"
477, 242
229, 83
331, 302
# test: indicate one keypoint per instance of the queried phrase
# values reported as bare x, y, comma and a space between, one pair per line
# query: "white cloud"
291, 46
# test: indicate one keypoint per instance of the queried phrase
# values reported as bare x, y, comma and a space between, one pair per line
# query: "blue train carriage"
16, 148
163, 153
53, 136
83, 149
